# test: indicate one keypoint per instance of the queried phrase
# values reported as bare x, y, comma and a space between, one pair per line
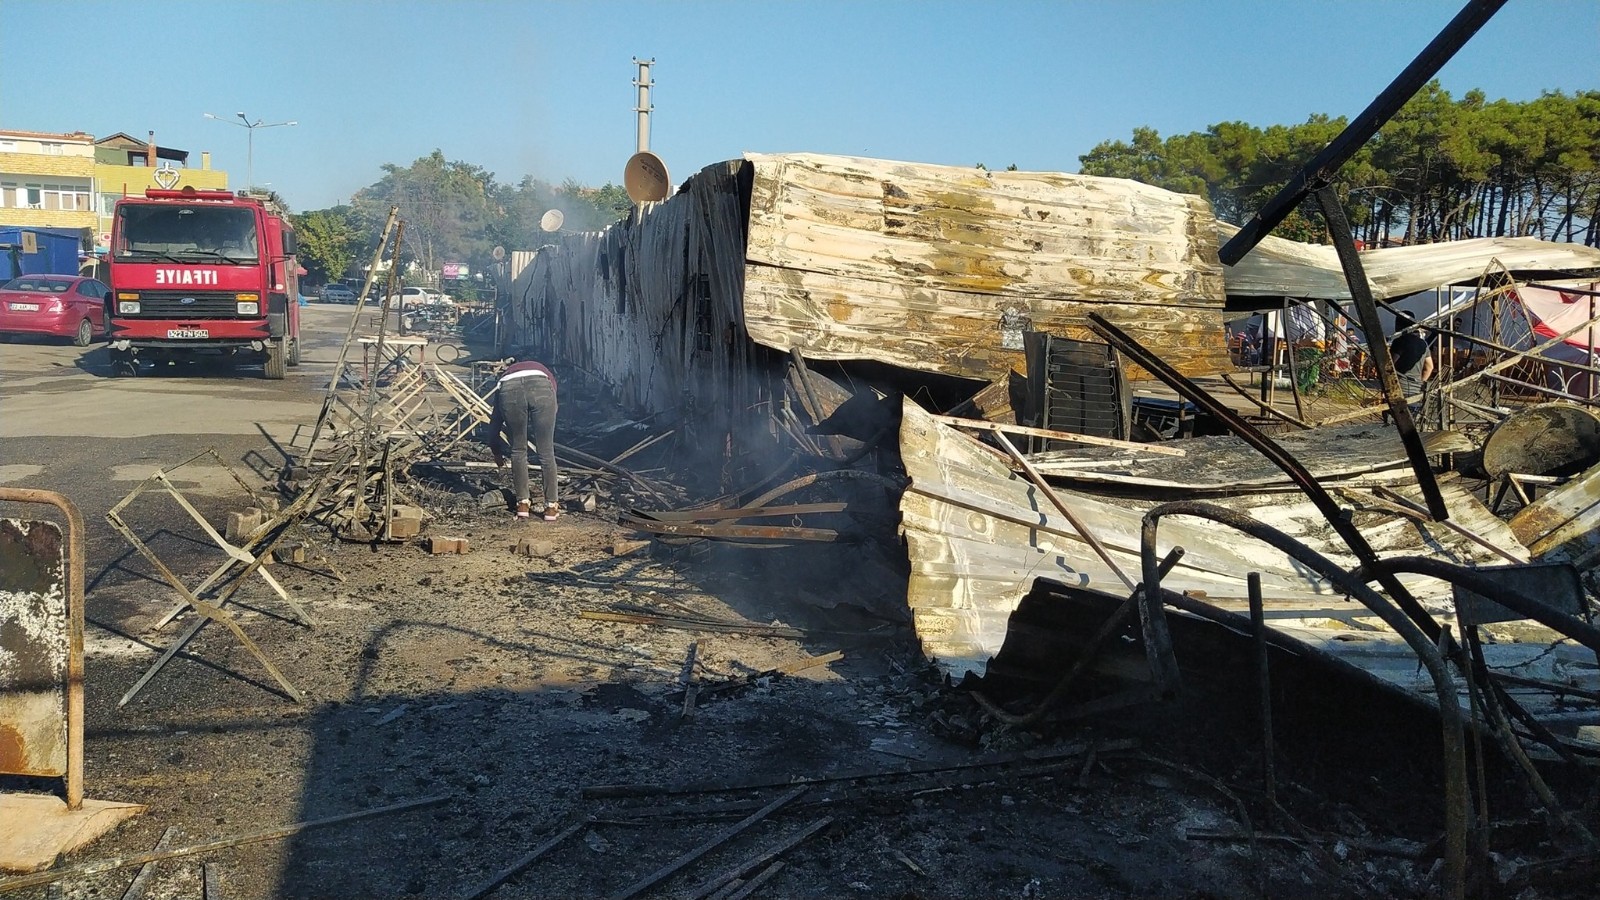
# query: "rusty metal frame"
76, 556
236, 555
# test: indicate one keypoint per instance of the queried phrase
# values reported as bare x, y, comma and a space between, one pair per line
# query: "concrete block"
533, 547
441, 544
406, 522
241, 523
291, 551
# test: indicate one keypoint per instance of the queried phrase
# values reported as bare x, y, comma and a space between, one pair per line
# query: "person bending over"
525, 409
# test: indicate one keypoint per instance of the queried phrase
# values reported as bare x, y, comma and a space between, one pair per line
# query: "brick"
440, 544
406, 522
241, 523
533, 547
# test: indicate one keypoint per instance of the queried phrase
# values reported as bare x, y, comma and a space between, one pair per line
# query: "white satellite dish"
498, 253
551, 221
645, 177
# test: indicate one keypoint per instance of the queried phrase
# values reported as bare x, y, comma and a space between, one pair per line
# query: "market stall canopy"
1558, 312
1282, 268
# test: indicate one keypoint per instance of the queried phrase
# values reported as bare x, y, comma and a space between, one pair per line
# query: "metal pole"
1258, 625
643, 83
1361, 292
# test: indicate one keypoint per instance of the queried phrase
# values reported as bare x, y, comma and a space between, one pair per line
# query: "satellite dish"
551, 221
645, 177
498, 253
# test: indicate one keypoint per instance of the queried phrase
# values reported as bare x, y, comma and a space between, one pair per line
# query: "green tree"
328, 239
445, 206
1440, 169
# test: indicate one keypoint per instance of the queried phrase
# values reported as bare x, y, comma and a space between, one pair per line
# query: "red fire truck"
195, 272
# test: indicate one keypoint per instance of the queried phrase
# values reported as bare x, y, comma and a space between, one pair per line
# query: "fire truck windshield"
158, 231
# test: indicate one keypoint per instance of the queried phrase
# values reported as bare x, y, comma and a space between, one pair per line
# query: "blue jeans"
528, 405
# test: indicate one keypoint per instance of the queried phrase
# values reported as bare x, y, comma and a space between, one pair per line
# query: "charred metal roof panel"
940, 268
978, 535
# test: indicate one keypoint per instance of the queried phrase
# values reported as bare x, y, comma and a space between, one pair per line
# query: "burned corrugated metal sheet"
651, 306
941, 269
929, 268
979, 534
1283, 268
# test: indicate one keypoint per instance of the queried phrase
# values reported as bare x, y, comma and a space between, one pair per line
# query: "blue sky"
545, 88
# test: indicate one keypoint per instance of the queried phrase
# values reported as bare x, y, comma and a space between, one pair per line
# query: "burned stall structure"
977, 347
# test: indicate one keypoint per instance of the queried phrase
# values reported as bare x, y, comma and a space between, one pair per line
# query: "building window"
65, 197
8, 146
8, 194
32, 196
50, 148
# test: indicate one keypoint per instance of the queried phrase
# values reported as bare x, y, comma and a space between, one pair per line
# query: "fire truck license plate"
25, 307
188, 333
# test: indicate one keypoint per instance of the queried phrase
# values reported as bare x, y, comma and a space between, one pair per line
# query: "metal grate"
1076, 386
187, 305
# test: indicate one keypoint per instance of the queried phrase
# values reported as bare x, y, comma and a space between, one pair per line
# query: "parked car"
66, 306
337, 293
413, 297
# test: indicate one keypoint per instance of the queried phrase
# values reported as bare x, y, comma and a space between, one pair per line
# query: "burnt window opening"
704, 330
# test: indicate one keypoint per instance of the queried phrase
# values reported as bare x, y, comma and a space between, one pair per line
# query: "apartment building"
73, 180
125, 165
47, 179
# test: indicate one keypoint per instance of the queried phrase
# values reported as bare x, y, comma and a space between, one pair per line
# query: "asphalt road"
67, 425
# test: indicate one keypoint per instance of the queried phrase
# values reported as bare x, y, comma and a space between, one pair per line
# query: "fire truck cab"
202, 272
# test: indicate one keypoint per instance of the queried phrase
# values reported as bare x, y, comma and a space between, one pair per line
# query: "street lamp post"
250, 142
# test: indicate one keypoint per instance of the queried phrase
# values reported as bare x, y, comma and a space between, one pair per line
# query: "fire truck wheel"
294, 351
274, 366
85, 334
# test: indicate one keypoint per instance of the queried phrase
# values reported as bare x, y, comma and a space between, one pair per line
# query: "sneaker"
522, 509
552, 512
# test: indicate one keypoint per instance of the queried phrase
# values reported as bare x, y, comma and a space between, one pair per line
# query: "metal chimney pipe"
643, 83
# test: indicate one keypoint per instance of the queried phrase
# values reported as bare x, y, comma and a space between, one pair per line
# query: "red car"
66, 306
